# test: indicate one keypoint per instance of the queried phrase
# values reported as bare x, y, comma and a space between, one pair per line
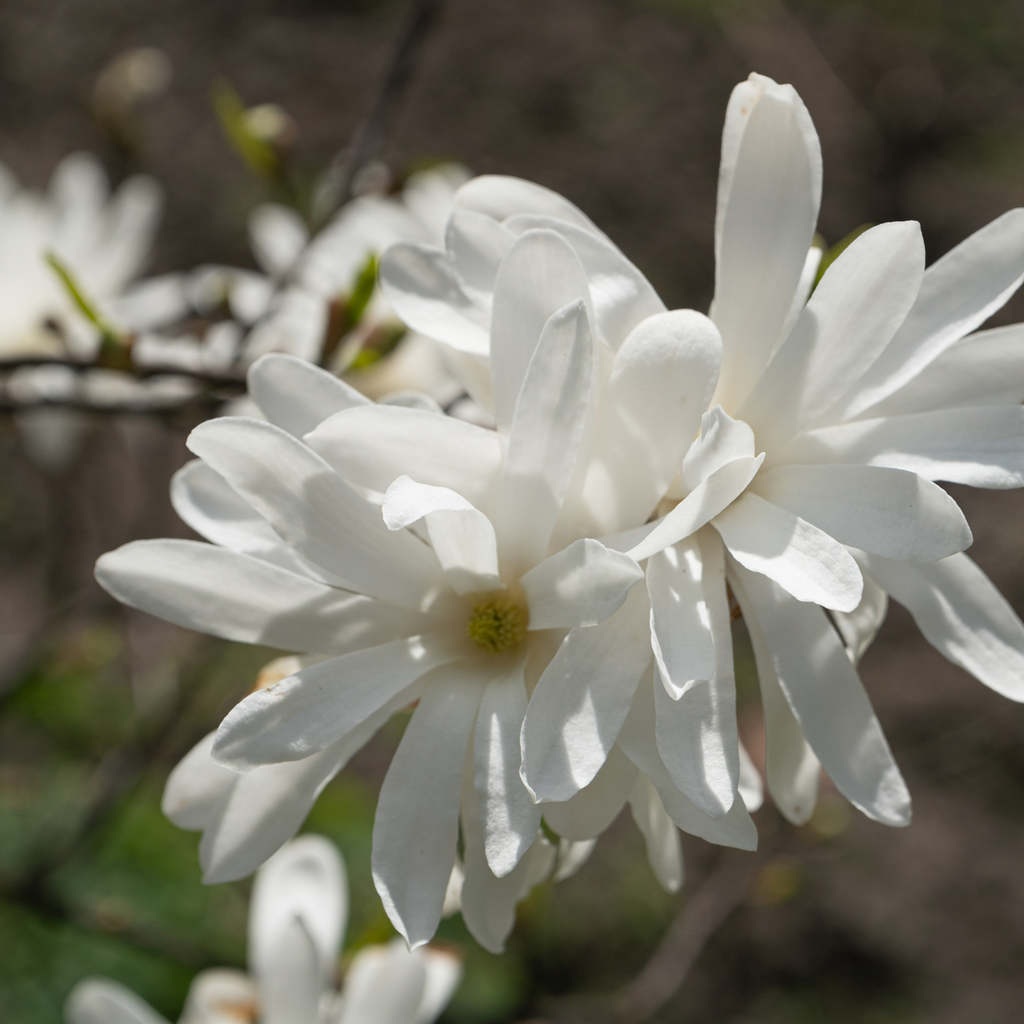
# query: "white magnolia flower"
296, 925
479, 584
103, 239
836, 415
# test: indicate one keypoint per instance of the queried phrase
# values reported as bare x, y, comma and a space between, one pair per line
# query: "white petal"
886, 511
416, 830
571, 857
277, 235
722, 439
290, 988
444, 972
664, 849
500, 197
622, 297
828, 700
696, 731
476, 244
99, 1001
372, 447
220, 996
295, 395
860, 627
958, 293
804, 560
751, 788
462, 537
962, 615
315, 511
581, 585
540, 275
699, 507
981, 446
765, 223
306, 880
421, 286
240, 598
856, 308
306, 712
197, 787
802, 293
590, 811
790, 765
544, 435
638, 743
661, 381
384, 985
985, 369
509, 817
680, 620
582, 698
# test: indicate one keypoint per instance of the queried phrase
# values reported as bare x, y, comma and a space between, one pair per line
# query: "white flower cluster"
555, 596
296, 925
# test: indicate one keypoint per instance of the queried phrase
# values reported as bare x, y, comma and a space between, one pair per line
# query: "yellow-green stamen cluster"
498, 624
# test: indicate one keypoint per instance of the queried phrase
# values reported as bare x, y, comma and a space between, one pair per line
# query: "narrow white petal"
219, 995
622, 297
959, 292
982, 446
540, 275
769, 193
721, 440
581, 585
277, 235
699, 507
420, 284
856, 308
661, 381
751, 788
372, 447
571, 857
500, 196
444, 972
509, 816
197, 787
889, 512
290, 989
638, 743
791, 768
306, 880
476, 245
860, 627
590, 811
962, 615
99, 1001
296, 395
828, 700
804, 560
582, 698
315, 511
664, 849
416, 829
802, 293
306, 712
462, 537
384, 985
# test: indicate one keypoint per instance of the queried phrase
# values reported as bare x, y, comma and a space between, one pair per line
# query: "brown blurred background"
617, 104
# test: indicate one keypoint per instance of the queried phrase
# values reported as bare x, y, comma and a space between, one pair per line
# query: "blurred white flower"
296, 924
857, 400
480, 585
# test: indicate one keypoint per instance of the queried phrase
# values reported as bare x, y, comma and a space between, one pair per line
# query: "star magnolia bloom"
478, 584
851, 403
296, 925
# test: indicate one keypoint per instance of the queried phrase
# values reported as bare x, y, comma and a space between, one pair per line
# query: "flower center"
498, 624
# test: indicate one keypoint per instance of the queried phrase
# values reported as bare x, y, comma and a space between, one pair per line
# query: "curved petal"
220, 995
962, 615
981, 446
661, 837
769, 193
857, 307
860, 627
290, 989
416, 830
590, 811
384, 985
304, 713
751, 789
476, 244
197, 787
277, 236
581, 585
804, 560
581, 700
373, 446
295, 395
444, 972
886, 511
828, 700
721, 440
316, 512
237, 597
304, 880
99, 1001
